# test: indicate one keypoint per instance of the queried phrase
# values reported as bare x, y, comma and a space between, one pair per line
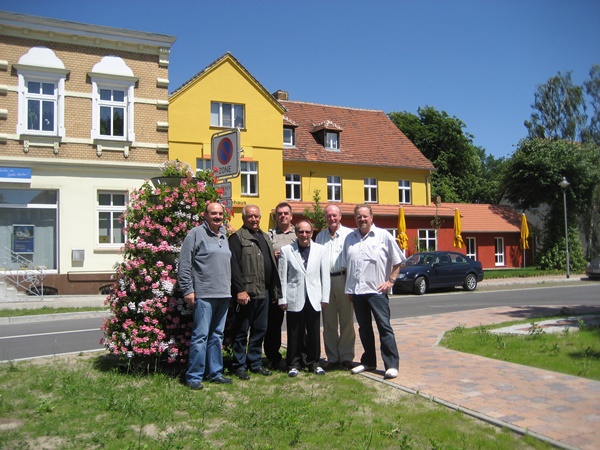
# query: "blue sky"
477, 60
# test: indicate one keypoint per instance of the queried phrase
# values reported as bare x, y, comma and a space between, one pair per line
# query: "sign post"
225, 156
225, 153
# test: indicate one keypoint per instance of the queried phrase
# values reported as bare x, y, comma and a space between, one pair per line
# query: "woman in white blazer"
304, 273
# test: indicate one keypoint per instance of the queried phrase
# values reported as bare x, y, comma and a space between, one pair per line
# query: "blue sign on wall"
15, 174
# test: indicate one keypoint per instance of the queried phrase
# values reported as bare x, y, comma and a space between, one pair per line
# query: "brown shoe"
330, 365
348, 364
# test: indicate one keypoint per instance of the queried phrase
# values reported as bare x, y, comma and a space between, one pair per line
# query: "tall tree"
592, 89
559, 110
534, 172
463, 172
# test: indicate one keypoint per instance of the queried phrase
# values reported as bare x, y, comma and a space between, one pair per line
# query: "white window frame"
370, 190
114, 211
426, 236
499, 251
332, 140
471, 247
293, 186
334, 183
404, 192
218, 111
289, 137
55, 77
249, 178
99, 83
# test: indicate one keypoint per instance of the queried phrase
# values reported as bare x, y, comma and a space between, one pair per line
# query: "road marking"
50, 334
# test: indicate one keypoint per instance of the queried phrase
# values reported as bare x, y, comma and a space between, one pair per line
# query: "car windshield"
418, 259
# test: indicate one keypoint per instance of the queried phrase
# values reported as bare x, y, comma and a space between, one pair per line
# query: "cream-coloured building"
83, 120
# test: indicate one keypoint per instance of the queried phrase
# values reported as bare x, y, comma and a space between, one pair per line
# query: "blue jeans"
206, 353
377, 305
250, 318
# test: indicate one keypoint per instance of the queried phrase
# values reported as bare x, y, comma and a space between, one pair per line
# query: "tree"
463, 171
559, 110
316, 215
534, 172
592, 89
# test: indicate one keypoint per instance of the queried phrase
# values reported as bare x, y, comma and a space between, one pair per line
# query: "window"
41, 106
471, 248
499, 251
112, 100
404, 191
111, 205
249, 172
427, 240
334, 188
41, 77
226, 115
293, 187
370, 190
37, 210
112, 112
203, 164
289, 137
331, 140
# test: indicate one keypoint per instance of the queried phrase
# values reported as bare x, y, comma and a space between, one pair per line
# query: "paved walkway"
561, 409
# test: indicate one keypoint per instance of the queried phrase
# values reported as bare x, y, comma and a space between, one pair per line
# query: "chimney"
281, 95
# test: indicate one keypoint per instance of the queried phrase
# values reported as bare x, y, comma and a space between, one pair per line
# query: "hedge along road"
38, 336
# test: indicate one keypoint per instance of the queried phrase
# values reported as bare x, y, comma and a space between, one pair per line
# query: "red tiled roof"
475, 218
367, 137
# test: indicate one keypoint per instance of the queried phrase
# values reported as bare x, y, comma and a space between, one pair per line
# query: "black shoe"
195, 386
221, 380
242, 374
261, 371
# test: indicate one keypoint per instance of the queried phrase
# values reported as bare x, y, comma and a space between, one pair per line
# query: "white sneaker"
320, 371
361, 368
390, 373
293, 372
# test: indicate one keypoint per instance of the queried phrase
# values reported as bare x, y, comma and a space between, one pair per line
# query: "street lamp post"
564, 184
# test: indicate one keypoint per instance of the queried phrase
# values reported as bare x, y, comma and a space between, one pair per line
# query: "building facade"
84, 119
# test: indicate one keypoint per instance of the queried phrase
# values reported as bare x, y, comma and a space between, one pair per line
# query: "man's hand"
243, 298
190, 299
385, 287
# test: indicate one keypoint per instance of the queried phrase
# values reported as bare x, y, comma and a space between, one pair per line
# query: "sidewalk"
561, 409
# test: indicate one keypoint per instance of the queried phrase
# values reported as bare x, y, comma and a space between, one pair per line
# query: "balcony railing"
21, 273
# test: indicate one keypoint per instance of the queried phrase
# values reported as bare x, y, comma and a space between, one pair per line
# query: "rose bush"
150, 321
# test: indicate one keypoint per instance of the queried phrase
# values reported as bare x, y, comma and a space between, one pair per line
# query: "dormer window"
328, 134
332, 140
289, 138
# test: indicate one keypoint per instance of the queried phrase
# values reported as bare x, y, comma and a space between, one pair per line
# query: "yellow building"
223, 96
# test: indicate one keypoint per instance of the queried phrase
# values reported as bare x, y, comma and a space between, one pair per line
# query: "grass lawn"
92, 402
573, 353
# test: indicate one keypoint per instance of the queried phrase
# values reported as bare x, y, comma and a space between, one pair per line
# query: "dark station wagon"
428, 270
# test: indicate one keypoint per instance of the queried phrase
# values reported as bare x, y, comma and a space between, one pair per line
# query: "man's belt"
335, 274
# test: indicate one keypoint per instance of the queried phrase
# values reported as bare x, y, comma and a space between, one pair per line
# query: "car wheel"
420, 286
470, 283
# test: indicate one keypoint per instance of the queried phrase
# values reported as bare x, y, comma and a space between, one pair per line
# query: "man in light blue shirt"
372, 259
339, 347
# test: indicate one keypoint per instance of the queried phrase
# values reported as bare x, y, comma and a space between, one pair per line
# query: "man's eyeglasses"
303, 232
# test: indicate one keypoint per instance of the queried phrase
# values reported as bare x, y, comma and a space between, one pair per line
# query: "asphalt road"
27, 340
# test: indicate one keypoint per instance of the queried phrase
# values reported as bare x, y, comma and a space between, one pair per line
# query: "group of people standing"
286, 274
